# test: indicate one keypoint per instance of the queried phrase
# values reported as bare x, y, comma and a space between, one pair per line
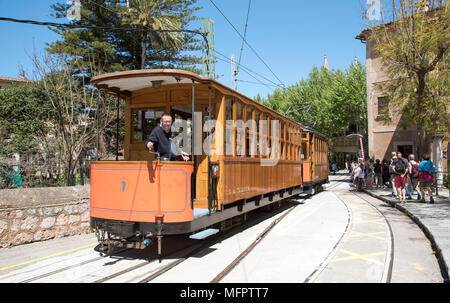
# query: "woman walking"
426, 172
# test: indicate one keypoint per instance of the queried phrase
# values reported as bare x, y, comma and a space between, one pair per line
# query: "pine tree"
135, 37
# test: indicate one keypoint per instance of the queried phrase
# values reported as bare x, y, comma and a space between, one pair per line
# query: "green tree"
24, 112
328, 101
347, 95
414, 51
26, 135
77, 109
160, 24
135, 37
95, 44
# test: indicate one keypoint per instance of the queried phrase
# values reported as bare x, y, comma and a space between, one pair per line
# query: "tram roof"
130, 81
126, 82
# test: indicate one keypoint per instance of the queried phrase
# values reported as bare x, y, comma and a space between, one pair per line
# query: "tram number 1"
123, 186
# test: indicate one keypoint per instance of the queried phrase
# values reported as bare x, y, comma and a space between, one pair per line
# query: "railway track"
211, 242
238, 259
388, 264
183, 253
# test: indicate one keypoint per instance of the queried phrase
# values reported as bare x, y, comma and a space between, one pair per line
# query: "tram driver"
161, 140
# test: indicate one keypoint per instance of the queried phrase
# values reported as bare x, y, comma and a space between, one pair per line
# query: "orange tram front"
243, 156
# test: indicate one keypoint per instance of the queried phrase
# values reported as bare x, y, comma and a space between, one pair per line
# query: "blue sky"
291, 37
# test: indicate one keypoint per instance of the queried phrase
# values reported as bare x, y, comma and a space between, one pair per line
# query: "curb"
438, 252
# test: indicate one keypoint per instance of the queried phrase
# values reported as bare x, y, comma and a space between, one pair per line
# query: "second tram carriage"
243, 156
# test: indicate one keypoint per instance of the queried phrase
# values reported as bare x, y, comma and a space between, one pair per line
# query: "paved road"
338, 235
433, 219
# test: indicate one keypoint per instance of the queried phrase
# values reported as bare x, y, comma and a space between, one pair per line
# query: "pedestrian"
392, 175
365, 167
377, 171
414, 176
409, 186
359, 176
426, 173
400, 168
385, 172
334, 168
370, 175
352, 172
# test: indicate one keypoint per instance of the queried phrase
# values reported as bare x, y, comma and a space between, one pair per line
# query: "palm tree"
156, 23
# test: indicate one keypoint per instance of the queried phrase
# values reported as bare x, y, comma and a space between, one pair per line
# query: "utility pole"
233, 72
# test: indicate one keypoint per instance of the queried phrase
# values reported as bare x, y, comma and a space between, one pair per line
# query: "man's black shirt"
161, 141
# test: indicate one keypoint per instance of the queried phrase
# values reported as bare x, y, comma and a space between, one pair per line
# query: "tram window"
275, 139
299, 154
283, 141
249, 114
144, 120
239, 111
250, 133
182, 126
229, 138
257, 135
304, 151
294, 143
257, 114
229, 128
269, 129
228, 109
263, 133
240, 152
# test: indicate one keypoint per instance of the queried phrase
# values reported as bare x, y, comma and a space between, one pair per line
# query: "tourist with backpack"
400, 167
426, 173
414, 175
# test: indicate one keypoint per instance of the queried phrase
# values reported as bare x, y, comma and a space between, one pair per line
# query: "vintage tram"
243, 156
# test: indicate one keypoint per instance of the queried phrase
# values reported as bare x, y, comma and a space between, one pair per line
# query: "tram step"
204, 234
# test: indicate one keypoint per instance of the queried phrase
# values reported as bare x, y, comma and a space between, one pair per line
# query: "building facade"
384, 138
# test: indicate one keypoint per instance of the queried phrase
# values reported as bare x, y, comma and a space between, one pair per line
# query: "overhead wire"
259, 81
68, 25
245, 34
245, 41
72, 25
249, 70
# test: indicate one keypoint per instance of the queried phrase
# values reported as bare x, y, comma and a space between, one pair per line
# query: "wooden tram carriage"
142, 197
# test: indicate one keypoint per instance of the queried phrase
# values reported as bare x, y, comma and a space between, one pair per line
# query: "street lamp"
360, 142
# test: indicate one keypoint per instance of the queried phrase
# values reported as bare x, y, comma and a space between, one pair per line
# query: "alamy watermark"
234, 139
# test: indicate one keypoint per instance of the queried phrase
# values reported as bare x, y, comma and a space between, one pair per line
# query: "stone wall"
36, 214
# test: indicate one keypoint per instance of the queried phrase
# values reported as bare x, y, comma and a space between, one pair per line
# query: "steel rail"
69, 267
387, 274
261, 236
201, 248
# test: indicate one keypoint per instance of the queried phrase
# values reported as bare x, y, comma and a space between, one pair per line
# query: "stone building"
385, 138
